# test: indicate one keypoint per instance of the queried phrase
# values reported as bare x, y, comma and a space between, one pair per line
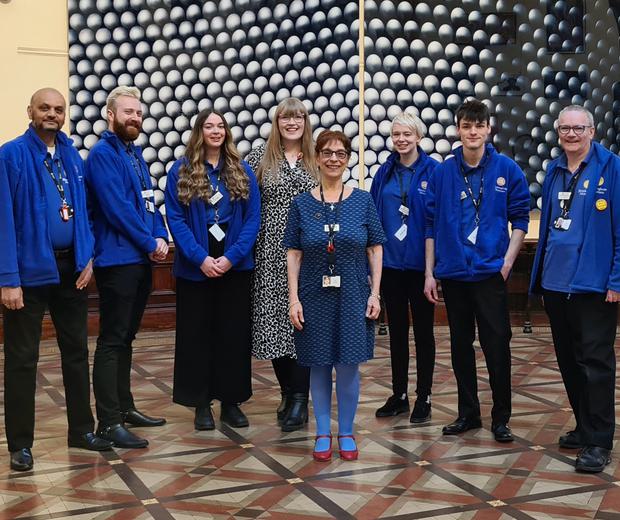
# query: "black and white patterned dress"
272, 331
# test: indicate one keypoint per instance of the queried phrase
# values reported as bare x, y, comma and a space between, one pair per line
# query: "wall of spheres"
527, 59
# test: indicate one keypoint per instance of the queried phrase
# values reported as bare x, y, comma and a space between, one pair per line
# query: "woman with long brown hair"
213, 212
285, 167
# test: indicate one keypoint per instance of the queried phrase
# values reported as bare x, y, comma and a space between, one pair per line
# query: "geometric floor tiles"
405, 471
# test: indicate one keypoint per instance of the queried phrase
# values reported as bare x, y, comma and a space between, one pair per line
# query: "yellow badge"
601, 181
501, 181
601, 204
423, 185
586, 183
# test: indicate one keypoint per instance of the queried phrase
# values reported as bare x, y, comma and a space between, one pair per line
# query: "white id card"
331, 281
404, 210
564, 195
215, 198
217, 232
147, 194
149, 205
563, 223
401, 233
473, 235
336, 228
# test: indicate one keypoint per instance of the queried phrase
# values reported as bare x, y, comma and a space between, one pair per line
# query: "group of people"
278, 259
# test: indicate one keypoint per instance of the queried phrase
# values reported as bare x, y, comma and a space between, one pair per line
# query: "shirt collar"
563, 160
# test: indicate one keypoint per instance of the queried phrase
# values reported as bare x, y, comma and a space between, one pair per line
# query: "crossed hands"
215, 267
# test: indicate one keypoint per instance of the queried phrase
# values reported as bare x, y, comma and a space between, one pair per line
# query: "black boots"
295, 414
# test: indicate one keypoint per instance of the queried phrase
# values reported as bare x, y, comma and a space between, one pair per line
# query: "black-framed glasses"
297, 119
577, 129
341, 155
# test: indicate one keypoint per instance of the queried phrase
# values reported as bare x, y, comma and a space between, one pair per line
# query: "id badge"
562, 224
401, 233
404, 210
217, 232
564, 195
215, 198
336, 228
150, 206
147, 194
66, 212
331, 281
473, 236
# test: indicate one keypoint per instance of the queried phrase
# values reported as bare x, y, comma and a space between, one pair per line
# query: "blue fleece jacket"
189, 228
413, 246
27, 257
124, 231
505, 199
598, 268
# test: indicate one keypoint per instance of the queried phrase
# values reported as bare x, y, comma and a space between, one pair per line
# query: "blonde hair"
133, 92
193, 182
411, 121
273, 149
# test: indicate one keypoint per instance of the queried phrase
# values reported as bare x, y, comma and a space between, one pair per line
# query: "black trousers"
22, 332
583, 327
402, 289
292, 377
123, 293
483, 303
213, 340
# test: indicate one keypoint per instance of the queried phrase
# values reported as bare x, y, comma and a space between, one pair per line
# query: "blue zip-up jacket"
506, 198
414, 241
599, 261
27, 257
122, 228
189, 228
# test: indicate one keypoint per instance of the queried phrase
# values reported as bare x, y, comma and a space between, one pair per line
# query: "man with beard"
47, 246
129, 234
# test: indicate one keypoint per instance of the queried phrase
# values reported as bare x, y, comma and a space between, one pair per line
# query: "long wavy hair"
273, 149
193, 182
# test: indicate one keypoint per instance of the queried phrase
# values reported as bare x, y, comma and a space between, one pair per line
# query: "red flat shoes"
348, 454
323, 456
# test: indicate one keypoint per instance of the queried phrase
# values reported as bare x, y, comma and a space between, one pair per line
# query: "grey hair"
133, 92
575, 108
411, 121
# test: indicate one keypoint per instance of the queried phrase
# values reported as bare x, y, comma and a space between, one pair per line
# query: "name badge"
336, 228
215, 198
331, 281
217, 232
564, 195
401, 233
147, 194
473, 236
149, 205
404, 210
562, 223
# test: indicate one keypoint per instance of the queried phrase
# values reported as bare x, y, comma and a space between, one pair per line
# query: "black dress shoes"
136, 418
233, 416
203, 420
21, 460
461, 425
89, 441
502, 433
570, 441
395, 405
297, 415
593, 459
121, 437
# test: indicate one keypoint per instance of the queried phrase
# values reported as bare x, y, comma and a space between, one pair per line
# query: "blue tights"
347, 395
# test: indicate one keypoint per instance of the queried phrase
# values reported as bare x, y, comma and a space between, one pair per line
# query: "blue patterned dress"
336, 329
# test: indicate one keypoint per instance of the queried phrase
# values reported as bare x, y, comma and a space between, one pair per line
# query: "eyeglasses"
578, 129
341, 155
296, 119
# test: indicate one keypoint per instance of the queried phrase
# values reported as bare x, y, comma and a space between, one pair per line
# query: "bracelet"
378, 296
294, 303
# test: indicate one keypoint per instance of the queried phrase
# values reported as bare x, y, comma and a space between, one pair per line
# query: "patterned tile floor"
404, 471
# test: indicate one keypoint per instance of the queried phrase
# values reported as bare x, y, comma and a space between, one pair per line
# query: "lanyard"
137, 166
331, 226
217, 196
404, 193
476, 202
58, 181
572, 185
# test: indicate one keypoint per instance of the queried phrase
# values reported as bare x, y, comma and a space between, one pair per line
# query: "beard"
127, 131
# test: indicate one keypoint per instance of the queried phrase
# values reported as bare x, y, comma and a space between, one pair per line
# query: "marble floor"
404, 471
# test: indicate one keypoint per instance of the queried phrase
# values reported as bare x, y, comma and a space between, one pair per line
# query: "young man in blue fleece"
577, 270
129, 235
47, 247
471, 199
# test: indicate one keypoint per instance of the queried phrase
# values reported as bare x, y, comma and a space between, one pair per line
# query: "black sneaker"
395, 405
421, 410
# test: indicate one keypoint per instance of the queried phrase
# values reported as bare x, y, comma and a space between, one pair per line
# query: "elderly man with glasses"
577, 270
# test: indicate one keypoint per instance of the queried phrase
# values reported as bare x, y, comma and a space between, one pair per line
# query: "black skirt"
212, 352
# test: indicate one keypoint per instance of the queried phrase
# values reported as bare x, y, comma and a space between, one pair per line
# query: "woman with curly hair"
285, 167
213, 212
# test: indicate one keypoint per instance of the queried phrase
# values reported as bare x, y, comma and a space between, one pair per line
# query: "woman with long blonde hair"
213, 212
285, 167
